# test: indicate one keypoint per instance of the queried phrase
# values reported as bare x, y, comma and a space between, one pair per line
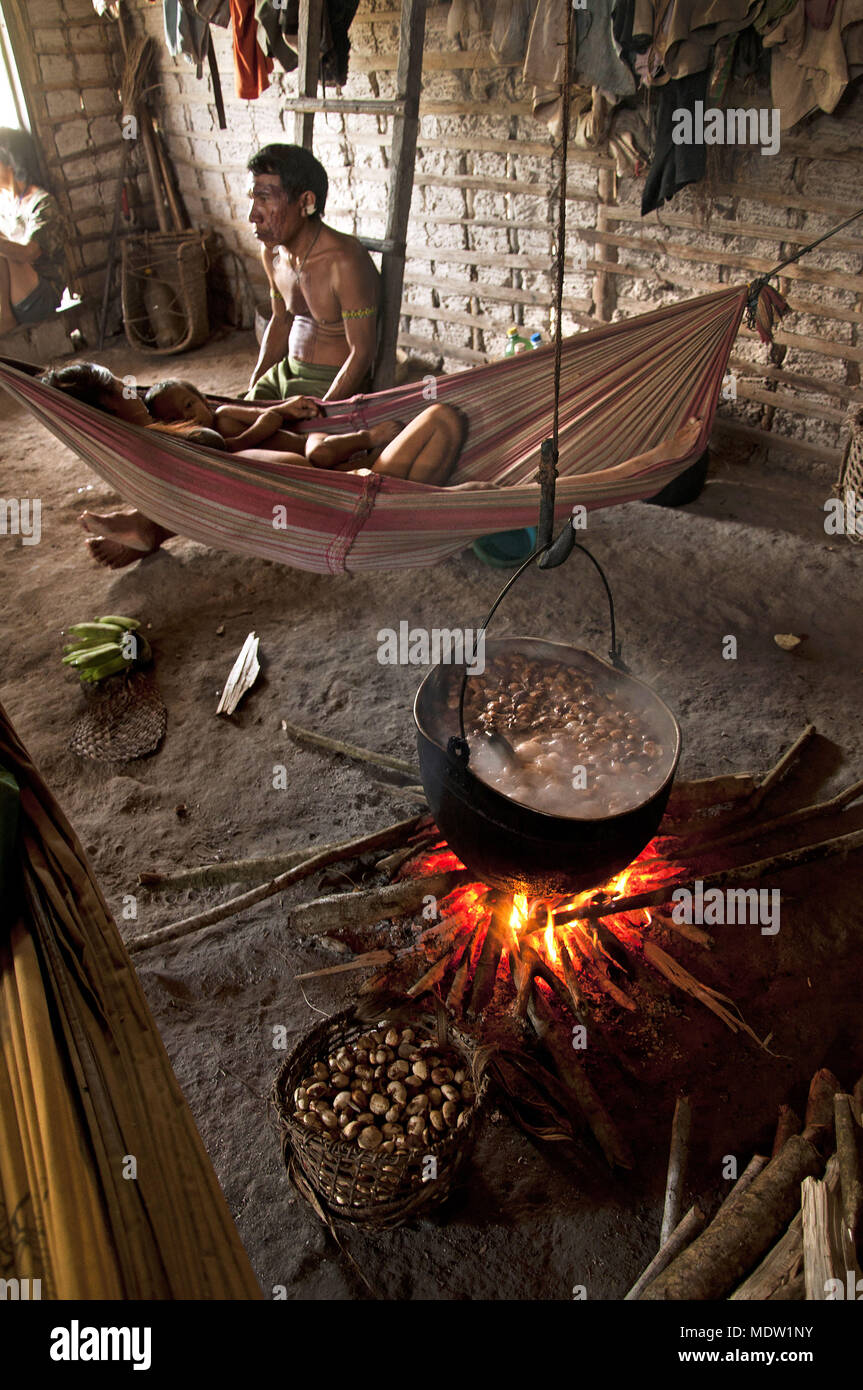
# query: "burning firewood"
487, 966
351, 911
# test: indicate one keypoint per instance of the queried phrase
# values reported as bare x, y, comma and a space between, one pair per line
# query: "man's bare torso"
317, 332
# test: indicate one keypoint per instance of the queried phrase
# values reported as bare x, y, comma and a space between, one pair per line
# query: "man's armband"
359, 313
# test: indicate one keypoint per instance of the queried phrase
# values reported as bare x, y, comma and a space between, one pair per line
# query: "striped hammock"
625, 387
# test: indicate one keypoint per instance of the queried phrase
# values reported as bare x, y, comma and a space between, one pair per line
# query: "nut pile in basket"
386, 1090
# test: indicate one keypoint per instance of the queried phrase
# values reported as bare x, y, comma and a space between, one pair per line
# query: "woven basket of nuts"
377, 1121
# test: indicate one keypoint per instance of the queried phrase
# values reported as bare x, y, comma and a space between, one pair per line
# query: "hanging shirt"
674, 166
251, 66
186, 32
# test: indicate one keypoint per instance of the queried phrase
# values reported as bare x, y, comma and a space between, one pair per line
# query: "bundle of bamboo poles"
790, 1228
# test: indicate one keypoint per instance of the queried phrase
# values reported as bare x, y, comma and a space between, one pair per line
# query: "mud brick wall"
480, 243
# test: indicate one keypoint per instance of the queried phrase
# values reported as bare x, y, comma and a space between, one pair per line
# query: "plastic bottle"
536, 340
514, 342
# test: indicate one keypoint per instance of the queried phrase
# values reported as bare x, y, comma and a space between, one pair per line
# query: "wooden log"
450, 957
348, 750
857, 1101
684, 929
573, 986
848, 1145
573, 1078
598, 970
818, 1120
321, 860
688, 798
780, 1268
351, 911
719, 1258
794, 1291
368, 958
823, 1252
678, 1161
458, 988
683, 1234
787, 1124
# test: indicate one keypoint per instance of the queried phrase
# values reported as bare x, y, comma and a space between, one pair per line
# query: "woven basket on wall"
850, 485
165, 292
346, 1183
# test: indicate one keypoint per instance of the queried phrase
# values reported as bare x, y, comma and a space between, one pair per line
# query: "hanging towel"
674, 166
251, 66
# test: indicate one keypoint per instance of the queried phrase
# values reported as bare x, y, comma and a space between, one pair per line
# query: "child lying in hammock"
424, 451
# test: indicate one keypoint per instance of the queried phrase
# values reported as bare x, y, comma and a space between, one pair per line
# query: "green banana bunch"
99, 648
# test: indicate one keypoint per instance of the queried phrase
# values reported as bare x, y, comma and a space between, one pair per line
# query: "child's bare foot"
384, 433
130, 529
112, 554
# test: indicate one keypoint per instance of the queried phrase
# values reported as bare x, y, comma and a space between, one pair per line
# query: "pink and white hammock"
625, 387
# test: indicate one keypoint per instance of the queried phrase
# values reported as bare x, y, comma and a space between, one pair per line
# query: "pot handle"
458, 748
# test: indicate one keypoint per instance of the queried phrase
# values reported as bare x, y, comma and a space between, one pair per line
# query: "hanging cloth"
811, 67
252, 67
186, 33
214, 12
598, 61
674, 166
509, 30
278, 29
820, 13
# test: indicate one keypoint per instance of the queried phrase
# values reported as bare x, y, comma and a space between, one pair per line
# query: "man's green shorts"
292, 378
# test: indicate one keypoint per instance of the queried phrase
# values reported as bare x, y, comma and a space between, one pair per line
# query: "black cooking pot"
510, 845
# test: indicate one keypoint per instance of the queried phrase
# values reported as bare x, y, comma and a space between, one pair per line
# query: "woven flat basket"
125, 719
345, 1183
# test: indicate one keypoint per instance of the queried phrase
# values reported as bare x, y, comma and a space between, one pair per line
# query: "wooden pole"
401, 171
308, 68
678, 1160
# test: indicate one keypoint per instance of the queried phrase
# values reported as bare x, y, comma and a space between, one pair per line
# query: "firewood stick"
684, 1232
756, 1165
758, 869
794, 1291
570, 979
599, 973
685, 929
818, 1120
485, 974
458, 988
358, 963
781, 767
321, 860
575, 1080
451, 957
350, 911
688, 798
685, 850
537, 967
733, 1242
787, 1124
850, 1170
778, 1270
348, 750
229, 870
678, 1160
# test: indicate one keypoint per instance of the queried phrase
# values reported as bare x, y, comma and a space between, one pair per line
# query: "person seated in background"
423, 451
31, 238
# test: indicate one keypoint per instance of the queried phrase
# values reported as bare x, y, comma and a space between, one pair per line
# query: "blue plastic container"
505, 549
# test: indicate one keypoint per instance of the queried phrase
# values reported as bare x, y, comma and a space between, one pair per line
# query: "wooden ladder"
404, 110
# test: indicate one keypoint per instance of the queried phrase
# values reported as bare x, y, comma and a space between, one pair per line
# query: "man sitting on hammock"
324, 289
423, 451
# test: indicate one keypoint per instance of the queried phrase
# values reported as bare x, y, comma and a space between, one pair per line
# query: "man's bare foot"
129, 529
112, 554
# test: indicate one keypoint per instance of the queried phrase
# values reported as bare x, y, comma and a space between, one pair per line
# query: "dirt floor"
749, 559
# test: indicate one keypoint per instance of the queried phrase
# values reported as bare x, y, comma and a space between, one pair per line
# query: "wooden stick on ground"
348, 750
678, 1239
685, 929
850, 1168
689, 798
736, 1239
779, 1268
780, 768
756, 1165
678, 1159
230, 870
358, 963
322, 860
823, 1256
